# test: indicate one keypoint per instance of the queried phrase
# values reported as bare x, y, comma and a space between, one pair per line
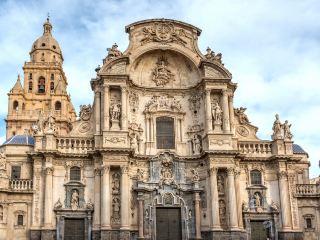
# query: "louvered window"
75, 174
255, 177
165, 133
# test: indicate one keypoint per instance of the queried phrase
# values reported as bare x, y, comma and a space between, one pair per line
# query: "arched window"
57, 106
165, 133
255, 176
52, 76
30, 86
23, 106
16, 105
30, 76
75, 174
41, 85
20, 220
51, 86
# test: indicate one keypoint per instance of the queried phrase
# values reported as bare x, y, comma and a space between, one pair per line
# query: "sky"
271, 47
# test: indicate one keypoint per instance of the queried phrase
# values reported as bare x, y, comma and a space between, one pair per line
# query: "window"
309, 222
165, 133
41, 85
16, 105
51, 86
30, 76
30, 86
255, 177
75, 174
20, 220
52, 76
1, 213
57, 106
15, 172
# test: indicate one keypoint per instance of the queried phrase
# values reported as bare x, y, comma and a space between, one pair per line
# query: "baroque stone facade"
161, 153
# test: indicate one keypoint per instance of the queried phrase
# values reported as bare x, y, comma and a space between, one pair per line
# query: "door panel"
168, 224
258, 232
74, 229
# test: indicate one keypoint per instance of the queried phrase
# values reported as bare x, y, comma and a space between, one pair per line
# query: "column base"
48, 234
290, 235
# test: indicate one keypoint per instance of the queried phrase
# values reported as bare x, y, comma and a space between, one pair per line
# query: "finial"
48, 17
18, 79
47, 27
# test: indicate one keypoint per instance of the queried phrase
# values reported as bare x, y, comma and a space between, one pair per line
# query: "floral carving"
194, 103
244, 132
161, 75
133, 101
164, 33
166, 173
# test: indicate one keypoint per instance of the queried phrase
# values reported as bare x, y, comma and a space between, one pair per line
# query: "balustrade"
255, 148
307, 189
74, 145
21, 184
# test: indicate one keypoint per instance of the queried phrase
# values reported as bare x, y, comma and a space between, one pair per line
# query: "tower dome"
46, 48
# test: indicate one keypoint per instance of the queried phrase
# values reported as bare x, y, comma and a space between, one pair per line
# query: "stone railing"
20, 184
74, 145
255, 148
307, 189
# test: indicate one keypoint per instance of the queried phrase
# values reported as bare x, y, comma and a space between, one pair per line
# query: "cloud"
272, 49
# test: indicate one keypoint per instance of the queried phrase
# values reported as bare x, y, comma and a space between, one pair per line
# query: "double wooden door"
258, 231
74, 229
168, 223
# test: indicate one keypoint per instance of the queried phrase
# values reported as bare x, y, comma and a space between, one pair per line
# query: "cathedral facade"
160, 154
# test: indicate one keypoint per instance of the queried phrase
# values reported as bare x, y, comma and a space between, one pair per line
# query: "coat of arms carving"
161, 75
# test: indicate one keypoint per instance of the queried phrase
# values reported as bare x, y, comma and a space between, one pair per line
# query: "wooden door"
168, 223
74, 229
258, 232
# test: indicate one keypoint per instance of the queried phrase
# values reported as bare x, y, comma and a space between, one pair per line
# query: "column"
238, 196
197, 214
152, 129
284, 198
105, 198
231, 112
147, 128
97, 196
140, 215
48, 197
225, 109
208, 111
232, 200
123, 108
214, 199
125, 198
97, 110
106, 120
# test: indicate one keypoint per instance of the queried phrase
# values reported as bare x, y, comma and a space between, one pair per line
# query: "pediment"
214, 70
115, 66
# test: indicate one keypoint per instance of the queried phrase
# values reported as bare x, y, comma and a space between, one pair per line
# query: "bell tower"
43, 89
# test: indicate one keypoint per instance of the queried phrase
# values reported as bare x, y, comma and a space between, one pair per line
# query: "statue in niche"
257, 200
115, 112
116, 183
116, 209
166, 173
222, 212
161, 74
277, 134
196, 144
287, 131
74, 200
85, 112
216, 114
220, 184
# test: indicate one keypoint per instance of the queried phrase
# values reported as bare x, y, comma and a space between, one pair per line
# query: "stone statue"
74, 200
245, 206
211, 56
116, 209
216, 113
85, 112
134, 144
51, 123
196, 144
140, 173
257, 200
287, 131
58, 204
220, 184
277, 134
115, 183
195, 175
89, 205
113, 52
115, 111
161, 74
274, 207
243, 118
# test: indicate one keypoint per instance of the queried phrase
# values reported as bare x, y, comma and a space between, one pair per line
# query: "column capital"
230, 171
97, 171
105, 169
282, 175
123, 88
49, 171
237, 172
208, 91
213, 170
197, 196
124, 169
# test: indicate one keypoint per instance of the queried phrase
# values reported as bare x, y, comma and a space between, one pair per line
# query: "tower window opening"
16, 105
30, 86
52, 76
41, 85
51, 86
57, 106
30, 76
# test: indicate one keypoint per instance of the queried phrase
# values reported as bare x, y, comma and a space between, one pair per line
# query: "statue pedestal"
217, 128
115, 125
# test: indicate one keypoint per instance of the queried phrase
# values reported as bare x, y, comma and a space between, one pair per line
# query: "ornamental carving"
166, 172
113, 52
194, 103
243, 118
163, 103
195, 175
212, 57
242, 131
116, 202
220, 184
163, 33
135, 133
115, 139
2, 160
133, 101
281, 131
161, 75
222, 212
85, 112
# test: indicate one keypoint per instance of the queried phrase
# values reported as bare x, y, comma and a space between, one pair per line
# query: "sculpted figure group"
281, 131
